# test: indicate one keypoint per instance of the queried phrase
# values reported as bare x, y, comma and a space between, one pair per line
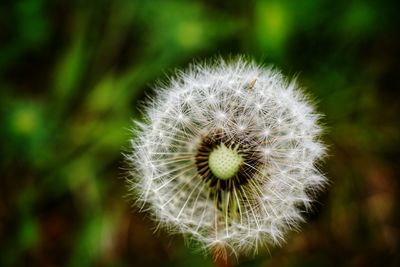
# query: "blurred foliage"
73, 74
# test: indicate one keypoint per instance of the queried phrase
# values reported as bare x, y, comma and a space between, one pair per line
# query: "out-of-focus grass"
72, 75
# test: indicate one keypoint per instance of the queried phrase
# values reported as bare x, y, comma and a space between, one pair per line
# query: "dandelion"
227, 156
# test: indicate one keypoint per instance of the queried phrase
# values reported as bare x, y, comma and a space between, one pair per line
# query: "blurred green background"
72, 76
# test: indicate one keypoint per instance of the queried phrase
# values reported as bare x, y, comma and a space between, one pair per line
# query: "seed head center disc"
224, 162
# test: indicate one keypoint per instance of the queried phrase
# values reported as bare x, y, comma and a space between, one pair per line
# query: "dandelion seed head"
227, 156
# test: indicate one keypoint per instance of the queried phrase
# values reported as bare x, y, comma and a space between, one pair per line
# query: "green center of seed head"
224, 162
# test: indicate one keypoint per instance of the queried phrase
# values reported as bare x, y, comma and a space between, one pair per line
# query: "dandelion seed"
227, 156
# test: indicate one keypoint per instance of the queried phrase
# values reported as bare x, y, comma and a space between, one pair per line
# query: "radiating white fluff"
243, 99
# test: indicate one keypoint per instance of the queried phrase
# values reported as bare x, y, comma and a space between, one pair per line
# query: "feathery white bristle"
241, 99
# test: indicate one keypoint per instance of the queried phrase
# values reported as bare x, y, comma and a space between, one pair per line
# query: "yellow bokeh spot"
189, 34
272, 24
25, 121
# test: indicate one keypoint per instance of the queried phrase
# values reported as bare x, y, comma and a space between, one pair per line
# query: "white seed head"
227, 155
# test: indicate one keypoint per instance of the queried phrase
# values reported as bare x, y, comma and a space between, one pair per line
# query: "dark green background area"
73, 74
